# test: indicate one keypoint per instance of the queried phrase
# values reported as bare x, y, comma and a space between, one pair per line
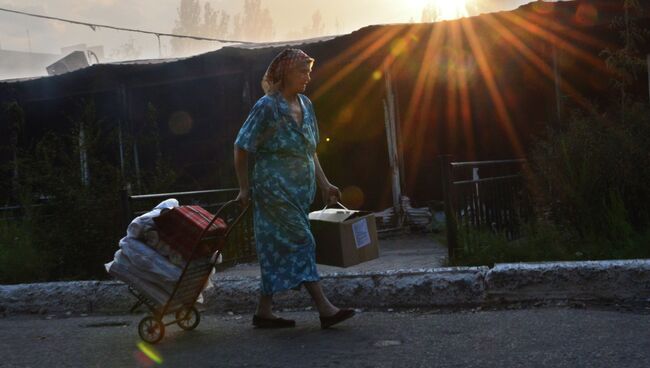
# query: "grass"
544, 243
20, 258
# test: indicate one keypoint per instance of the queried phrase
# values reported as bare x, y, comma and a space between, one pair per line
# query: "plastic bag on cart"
144, 274
208, 284
139, 226
126, 275
153, 266
123, 269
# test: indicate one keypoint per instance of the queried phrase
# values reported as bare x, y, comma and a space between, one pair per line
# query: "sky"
23, 33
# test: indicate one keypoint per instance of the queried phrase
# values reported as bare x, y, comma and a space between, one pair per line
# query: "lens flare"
352, 196
150, 352
586, 15
180, 122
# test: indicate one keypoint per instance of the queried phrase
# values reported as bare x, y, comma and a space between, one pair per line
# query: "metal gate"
484, 196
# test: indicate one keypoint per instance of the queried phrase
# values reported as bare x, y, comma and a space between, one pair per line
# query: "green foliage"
76, 184
577, 168
543, 241
19, 257
540, 242
591, 175
590, 178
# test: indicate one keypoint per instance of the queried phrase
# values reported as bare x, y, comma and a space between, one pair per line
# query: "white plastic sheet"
141, 224
152, 266
126, 275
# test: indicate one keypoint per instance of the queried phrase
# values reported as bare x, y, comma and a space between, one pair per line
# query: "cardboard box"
344, 237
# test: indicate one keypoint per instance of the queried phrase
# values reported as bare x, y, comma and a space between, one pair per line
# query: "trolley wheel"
151, 330
188, 318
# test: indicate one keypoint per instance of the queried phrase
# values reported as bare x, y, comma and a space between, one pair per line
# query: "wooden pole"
393, 149
392, 160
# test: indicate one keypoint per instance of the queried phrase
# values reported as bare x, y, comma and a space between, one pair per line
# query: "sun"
451, 9
445, 9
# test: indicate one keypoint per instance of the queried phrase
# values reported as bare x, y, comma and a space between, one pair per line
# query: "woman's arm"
241, 168
331, 194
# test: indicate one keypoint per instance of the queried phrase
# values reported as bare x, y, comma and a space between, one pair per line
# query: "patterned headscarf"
280, 66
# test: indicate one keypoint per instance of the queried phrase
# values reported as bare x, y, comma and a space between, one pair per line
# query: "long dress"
284, 186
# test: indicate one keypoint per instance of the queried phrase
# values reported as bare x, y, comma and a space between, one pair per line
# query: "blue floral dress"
284, 186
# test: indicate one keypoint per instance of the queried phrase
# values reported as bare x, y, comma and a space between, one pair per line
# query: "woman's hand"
331, 194
243, 197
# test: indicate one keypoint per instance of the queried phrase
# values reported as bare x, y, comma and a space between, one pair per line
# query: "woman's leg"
264, 307
264, 317
324, 306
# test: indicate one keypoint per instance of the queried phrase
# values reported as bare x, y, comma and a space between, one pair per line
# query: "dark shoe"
261, 322
340, 316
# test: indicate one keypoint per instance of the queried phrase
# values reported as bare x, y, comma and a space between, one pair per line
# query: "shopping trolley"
186, 291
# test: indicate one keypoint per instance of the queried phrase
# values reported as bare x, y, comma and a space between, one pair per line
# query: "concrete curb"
588, 280
445, 287
403, 288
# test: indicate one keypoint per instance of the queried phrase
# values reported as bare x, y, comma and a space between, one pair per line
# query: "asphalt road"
539, 337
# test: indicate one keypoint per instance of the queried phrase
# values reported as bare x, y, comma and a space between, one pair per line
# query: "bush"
591, 178
541, 242
19, 257
590, 186
76, 226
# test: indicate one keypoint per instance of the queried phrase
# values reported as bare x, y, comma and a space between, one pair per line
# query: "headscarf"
280, 66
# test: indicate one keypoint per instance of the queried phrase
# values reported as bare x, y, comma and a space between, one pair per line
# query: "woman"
281, 130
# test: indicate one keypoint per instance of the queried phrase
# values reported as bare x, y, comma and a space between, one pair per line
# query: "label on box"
361, 234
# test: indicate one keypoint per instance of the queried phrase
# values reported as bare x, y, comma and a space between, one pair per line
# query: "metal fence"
240, 246
483, 196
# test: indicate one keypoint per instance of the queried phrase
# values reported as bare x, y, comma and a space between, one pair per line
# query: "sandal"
340, 316
261, 322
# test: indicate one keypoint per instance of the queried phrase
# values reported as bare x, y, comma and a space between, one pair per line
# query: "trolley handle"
236, 220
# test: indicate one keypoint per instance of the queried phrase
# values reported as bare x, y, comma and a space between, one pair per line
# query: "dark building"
477, 88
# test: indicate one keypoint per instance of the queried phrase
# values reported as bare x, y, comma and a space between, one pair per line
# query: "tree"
477, 7
215, 22
430, 14
316, 29
587, 176
317, 26
627, 62
255, 24
127, 51
194, 22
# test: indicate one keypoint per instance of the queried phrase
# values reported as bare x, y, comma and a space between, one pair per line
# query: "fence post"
450, 217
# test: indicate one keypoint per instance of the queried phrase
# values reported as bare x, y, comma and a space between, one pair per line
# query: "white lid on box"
332, 214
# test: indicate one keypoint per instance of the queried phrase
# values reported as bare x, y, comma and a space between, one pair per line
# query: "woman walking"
282, 133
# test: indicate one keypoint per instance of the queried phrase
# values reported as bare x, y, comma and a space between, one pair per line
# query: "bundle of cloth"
148, 263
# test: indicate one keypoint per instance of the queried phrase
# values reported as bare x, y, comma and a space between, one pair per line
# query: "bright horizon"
21, 33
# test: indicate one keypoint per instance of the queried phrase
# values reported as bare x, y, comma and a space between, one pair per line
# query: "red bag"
181, 226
